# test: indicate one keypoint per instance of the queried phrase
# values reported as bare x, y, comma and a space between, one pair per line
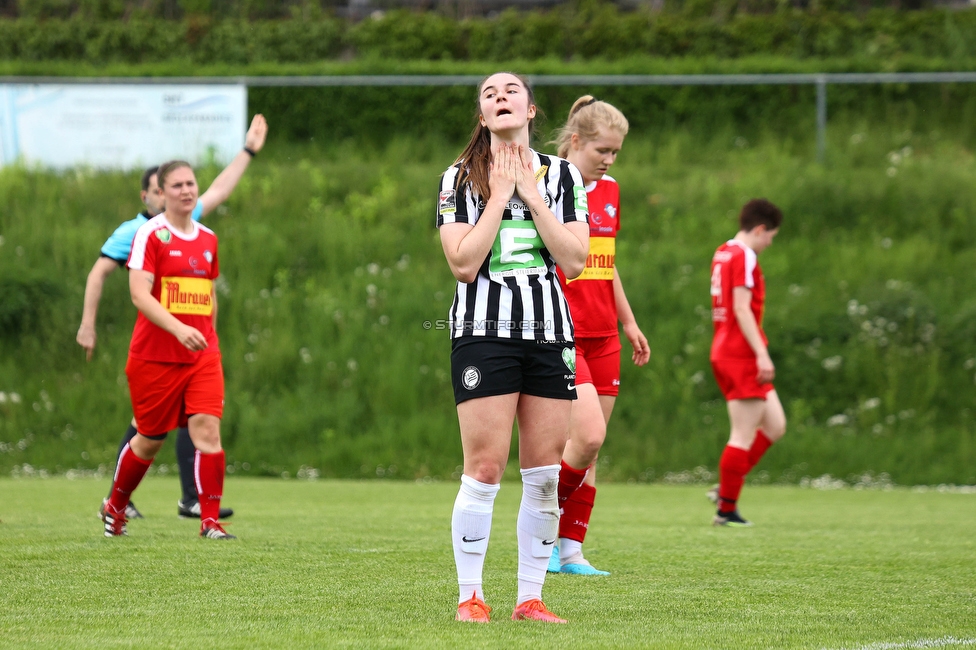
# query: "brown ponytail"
476, 156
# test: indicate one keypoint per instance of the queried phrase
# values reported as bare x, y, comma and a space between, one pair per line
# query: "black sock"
185, 453
129, 434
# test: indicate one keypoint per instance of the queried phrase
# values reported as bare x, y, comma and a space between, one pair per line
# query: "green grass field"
369, 564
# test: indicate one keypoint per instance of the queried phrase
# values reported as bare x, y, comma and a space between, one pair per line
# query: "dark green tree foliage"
602, 31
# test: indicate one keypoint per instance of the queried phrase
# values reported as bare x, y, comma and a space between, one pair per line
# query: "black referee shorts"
485, 366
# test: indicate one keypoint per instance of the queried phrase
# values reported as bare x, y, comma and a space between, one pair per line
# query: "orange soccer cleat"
535, 610
473, 611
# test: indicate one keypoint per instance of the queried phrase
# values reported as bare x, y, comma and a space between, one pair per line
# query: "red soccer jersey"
184, 268
590, 296
735, 265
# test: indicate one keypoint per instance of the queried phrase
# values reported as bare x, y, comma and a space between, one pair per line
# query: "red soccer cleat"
473, 611
213, 530
535, 610
114, 522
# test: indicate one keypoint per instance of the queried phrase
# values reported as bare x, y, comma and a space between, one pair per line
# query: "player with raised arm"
174, 368
739, 356
115, 253
507, 217
591, 139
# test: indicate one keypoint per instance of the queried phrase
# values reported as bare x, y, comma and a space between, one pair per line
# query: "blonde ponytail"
586, 117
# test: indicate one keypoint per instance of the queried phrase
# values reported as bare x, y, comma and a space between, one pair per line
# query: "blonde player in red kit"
174, 369
739, 357
591, 139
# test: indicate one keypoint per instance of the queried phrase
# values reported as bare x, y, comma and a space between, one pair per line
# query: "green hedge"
598, 32
378, 114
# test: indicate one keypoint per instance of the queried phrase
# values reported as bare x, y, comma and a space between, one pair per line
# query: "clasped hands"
510, 171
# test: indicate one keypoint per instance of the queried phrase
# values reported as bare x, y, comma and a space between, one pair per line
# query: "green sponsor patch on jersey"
580, 202
516, 250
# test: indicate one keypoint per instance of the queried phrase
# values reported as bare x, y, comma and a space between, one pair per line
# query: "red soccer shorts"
165, 394
598, 363
737, 379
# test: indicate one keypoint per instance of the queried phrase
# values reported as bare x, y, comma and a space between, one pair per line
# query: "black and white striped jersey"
517, 293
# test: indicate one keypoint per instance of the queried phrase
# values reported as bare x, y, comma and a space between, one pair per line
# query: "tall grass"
331, 264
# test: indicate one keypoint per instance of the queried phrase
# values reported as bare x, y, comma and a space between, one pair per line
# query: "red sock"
209, 473
759, 447
575, 519
128, 475
732, 470
570, 479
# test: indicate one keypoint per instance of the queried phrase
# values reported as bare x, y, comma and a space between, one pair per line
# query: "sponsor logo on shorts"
615, 382
470, 377
163, 235
569, 358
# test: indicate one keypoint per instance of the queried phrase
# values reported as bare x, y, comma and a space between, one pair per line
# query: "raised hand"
254, 140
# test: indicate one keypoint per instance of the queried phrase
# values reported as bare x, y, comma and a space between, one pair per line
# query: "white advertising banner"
120, 126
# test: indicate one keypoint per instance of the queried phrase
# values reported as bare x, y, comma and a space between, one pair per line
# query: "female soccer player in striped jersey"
591, 138
507, 217
174, 369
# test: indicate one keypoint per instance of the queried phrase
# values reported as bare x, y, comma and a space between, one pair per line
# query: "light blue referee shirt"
119, 245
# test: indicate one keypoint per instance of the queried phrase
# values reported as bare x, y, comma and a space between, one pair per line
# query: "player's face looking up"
152, 198
594, 157
506, 107
180, 191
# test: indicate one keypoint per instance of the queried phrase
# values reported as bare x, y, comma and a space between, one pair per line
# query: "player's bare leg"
773, 421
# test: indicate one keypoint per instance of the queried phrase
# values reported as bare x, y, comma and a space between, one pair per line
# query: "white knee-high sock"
470, 529
538, 527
